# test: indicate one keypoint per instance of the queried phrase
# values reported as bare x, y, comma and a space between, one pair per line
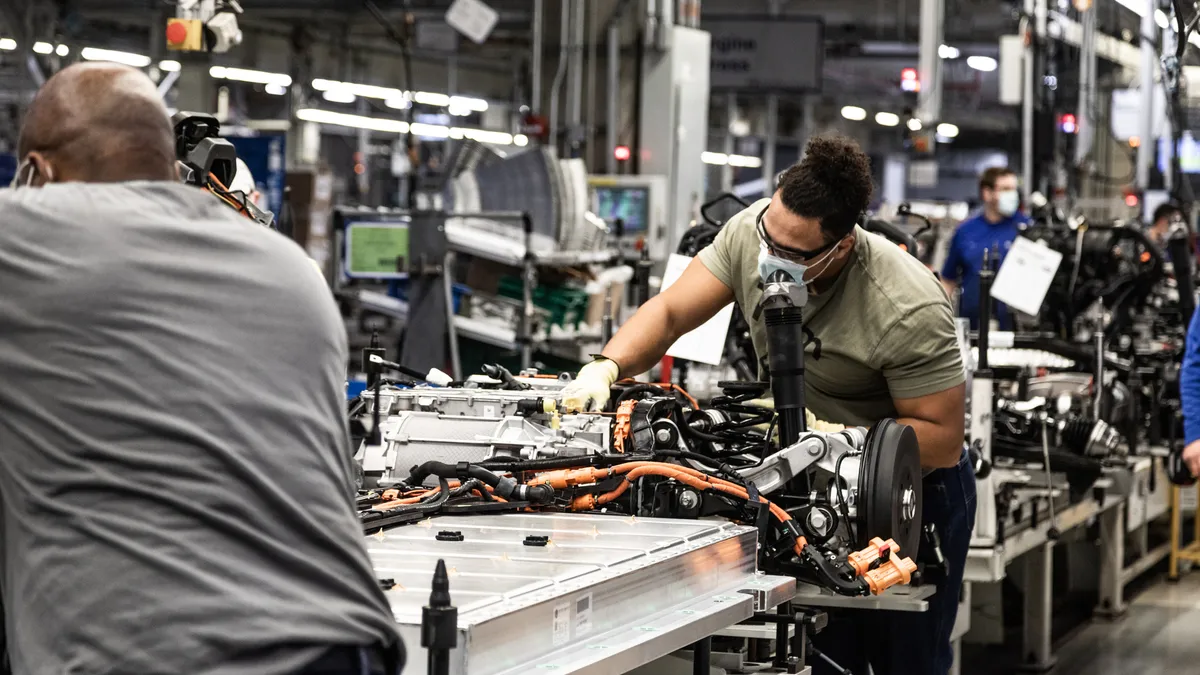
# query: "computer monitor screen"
1189, 153
630, 204
377, 250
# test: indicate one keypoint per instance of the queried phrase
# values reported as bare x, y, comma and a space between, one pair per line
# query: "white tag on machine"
706, 344
1026, 274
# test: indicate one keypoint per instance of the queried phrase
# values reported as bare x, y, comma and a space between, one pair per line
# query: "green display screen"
377, 250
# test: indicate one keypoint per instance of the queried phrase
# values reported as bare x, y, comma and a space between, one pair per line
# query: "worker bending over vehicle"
883, 345
176, 472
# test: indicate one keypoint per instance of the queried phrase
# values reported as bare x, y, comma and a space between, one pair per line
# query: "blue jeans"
910, 643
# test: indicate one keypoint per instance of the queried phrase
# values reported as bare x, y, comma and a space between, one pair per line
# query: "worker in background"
176, 471
1189, 390
1160, 225
888, 350
993, 228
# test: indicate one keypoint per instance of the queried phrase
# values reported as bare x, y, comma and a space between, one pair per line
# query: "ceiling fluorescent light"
354, 121
492, 137
854, 113
363, 90
62, 50
276, 89
43, 48
127, 58
473, 104
947, 130
430, 130
252, 76
7, 44
745, 161
339, 96
887, 119
984, 64
718, 158
430, 98
169, 66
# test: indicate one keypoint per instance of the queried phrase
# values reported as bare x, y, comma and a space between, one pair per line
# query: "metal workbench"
604, 595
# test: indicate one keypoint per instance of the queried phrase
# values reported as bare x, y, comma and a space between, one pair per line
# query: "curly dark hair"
832, 183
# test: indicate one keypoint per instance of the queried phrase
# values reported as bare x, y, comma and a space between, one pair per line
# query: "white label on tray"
583, 615
562, 624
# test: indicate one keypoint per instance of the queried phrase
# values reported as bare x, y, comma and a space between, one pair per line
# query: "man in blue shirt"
993, 229
1189, 389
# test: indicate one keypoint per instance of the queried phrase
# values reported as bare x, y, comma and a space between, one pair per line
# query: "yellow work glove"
589, 391
814, 424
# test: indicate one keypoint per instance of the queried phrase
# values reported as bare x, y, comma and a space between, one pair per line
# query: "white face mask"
1007, 202
25, 167
768, 264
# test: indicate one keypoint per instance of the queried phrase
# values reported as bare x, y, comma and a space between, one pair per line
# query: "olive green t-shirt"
884, 329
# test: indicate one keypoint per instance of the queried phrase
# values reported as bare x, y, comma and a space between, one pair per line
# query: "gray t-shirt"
174, 463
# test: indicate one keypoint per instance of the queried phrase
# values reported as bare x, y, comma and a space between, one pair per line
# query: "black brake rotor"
889, 487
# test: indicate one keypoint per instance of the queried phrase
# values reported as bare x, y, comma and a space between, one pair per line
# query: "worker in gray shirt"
175, 473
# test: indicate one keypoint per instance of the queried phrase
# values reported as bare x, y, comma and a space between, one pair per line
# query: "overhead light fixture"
520, 140
887, 119
430, 130
7, 44
493, 137
169, 66
947, 130
914, 124
62, 50
430, 98
276, 89
982, 63
43, 48
126, 58
339, 96
1160, 17
472, 104
363, 90
948, 52
457, 110
354, 121
401, 102
398, 127
745, 161
721, 159
252, 76
854, 113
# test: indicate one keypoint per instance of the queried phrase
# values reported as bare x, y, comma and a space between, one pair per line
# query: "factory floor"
1158, 635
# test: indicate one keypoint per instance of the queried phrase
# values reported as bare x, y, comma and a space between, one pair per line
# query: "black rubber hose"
724, 469
507, 465
506, 487
636, 389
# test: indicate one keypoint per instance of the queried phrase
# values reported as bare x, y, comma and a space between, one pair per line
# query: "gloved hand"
590, 390
813, 423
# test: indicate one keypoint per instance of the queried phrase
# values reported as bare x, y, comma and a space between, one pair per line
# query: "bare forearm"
941, 445
643, 340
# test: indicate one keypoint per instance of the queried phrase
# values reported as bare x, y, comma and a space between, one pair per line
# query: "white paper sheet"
706, 344
1025, 275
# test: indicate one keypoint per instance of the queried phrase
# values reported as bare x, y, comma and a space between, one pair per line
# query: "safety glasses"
793, 254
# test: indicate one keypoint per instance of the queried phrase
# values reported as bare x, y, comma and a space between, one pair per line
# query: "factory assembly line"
496, 460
